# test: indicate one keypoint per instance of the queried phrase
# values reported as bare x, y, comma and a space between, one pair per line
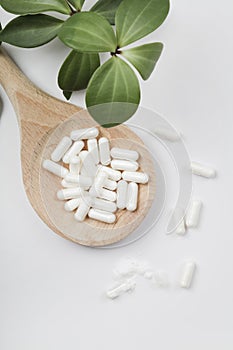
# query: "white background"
52, 291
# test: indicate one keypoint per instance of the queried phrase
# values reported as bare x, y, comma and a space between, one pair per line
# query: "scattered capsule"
126, 286
125, 154
88, 163
193, 214
187, 274
167, 133
61, 149
80, 180
84, 134
122, 188
202, 170
126, 165
134, 176
74, 150
82, 210
132, 196
69, 193
55, 168
66, 184
114, 175
108, 195
75, 165
103, 216
104, 150
92, 146
110, 185
102, 204
72, 204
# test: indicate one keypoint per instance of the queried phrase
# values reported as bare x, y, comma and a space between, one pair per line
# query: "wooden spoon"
43, 120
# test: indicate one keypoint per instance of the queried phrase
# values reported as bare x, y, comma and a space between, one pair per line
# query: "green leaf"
77, 70
23, 7
31, 30
88, 32
137, 18
107, 8
144, 58
78, 4
67, 94
113, 93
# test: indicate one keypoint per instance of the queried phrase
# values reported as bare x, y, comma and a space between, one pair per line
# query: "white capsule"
103, 216
72, 204
104, 205
187, 274
92, 146
55, 168
80, 180
167, 133
97, 186
181, 230
110, 185
126, 165
135, 176
114, 175
82, 210
132, 196
84, 134
104, 150
88, 163
74, 150
61, 149
75, 165
66, 184
202, 170
108, 195
179, 218
126, 286
69, 193
122, 188
126, 154
193, 214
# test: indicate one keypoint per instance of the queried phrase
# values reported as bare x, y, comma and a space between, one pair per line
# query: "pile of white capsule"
97, 179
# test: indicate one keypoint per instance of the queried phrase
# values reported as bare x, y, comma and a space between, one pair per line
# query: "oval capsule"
102, 204
126, 165
54, 168
187, 274
122, 188
84, 134
202, 170
103, 216
69, 193
104, 150
135, 176
61, 149
72, 204
193, 214
125, 154
132, 196
114, 175
74, 150
92, 146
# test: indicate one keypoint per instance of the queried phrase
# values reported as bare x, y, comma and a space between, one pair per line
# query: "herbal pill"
69, 193
75, 165
134, 176
187, 274
114, 175
108, 195
193, 214
100, 215
55, 168
132, 196
61, 149
72, 204
84, 134
88, 163
92, 146
82, 210
167, 133
66, 184
122, 187
104, 150
126, 154
102, 204
97, 186
80, 180
202, 170
110, 185
74, 150
118, 164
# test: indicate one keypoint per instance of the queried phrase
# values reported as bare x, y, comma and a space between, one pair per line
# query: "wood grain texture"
43, 120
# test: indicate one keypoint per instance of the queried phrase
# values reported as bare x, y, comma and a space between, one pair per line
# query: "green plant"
88, 34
